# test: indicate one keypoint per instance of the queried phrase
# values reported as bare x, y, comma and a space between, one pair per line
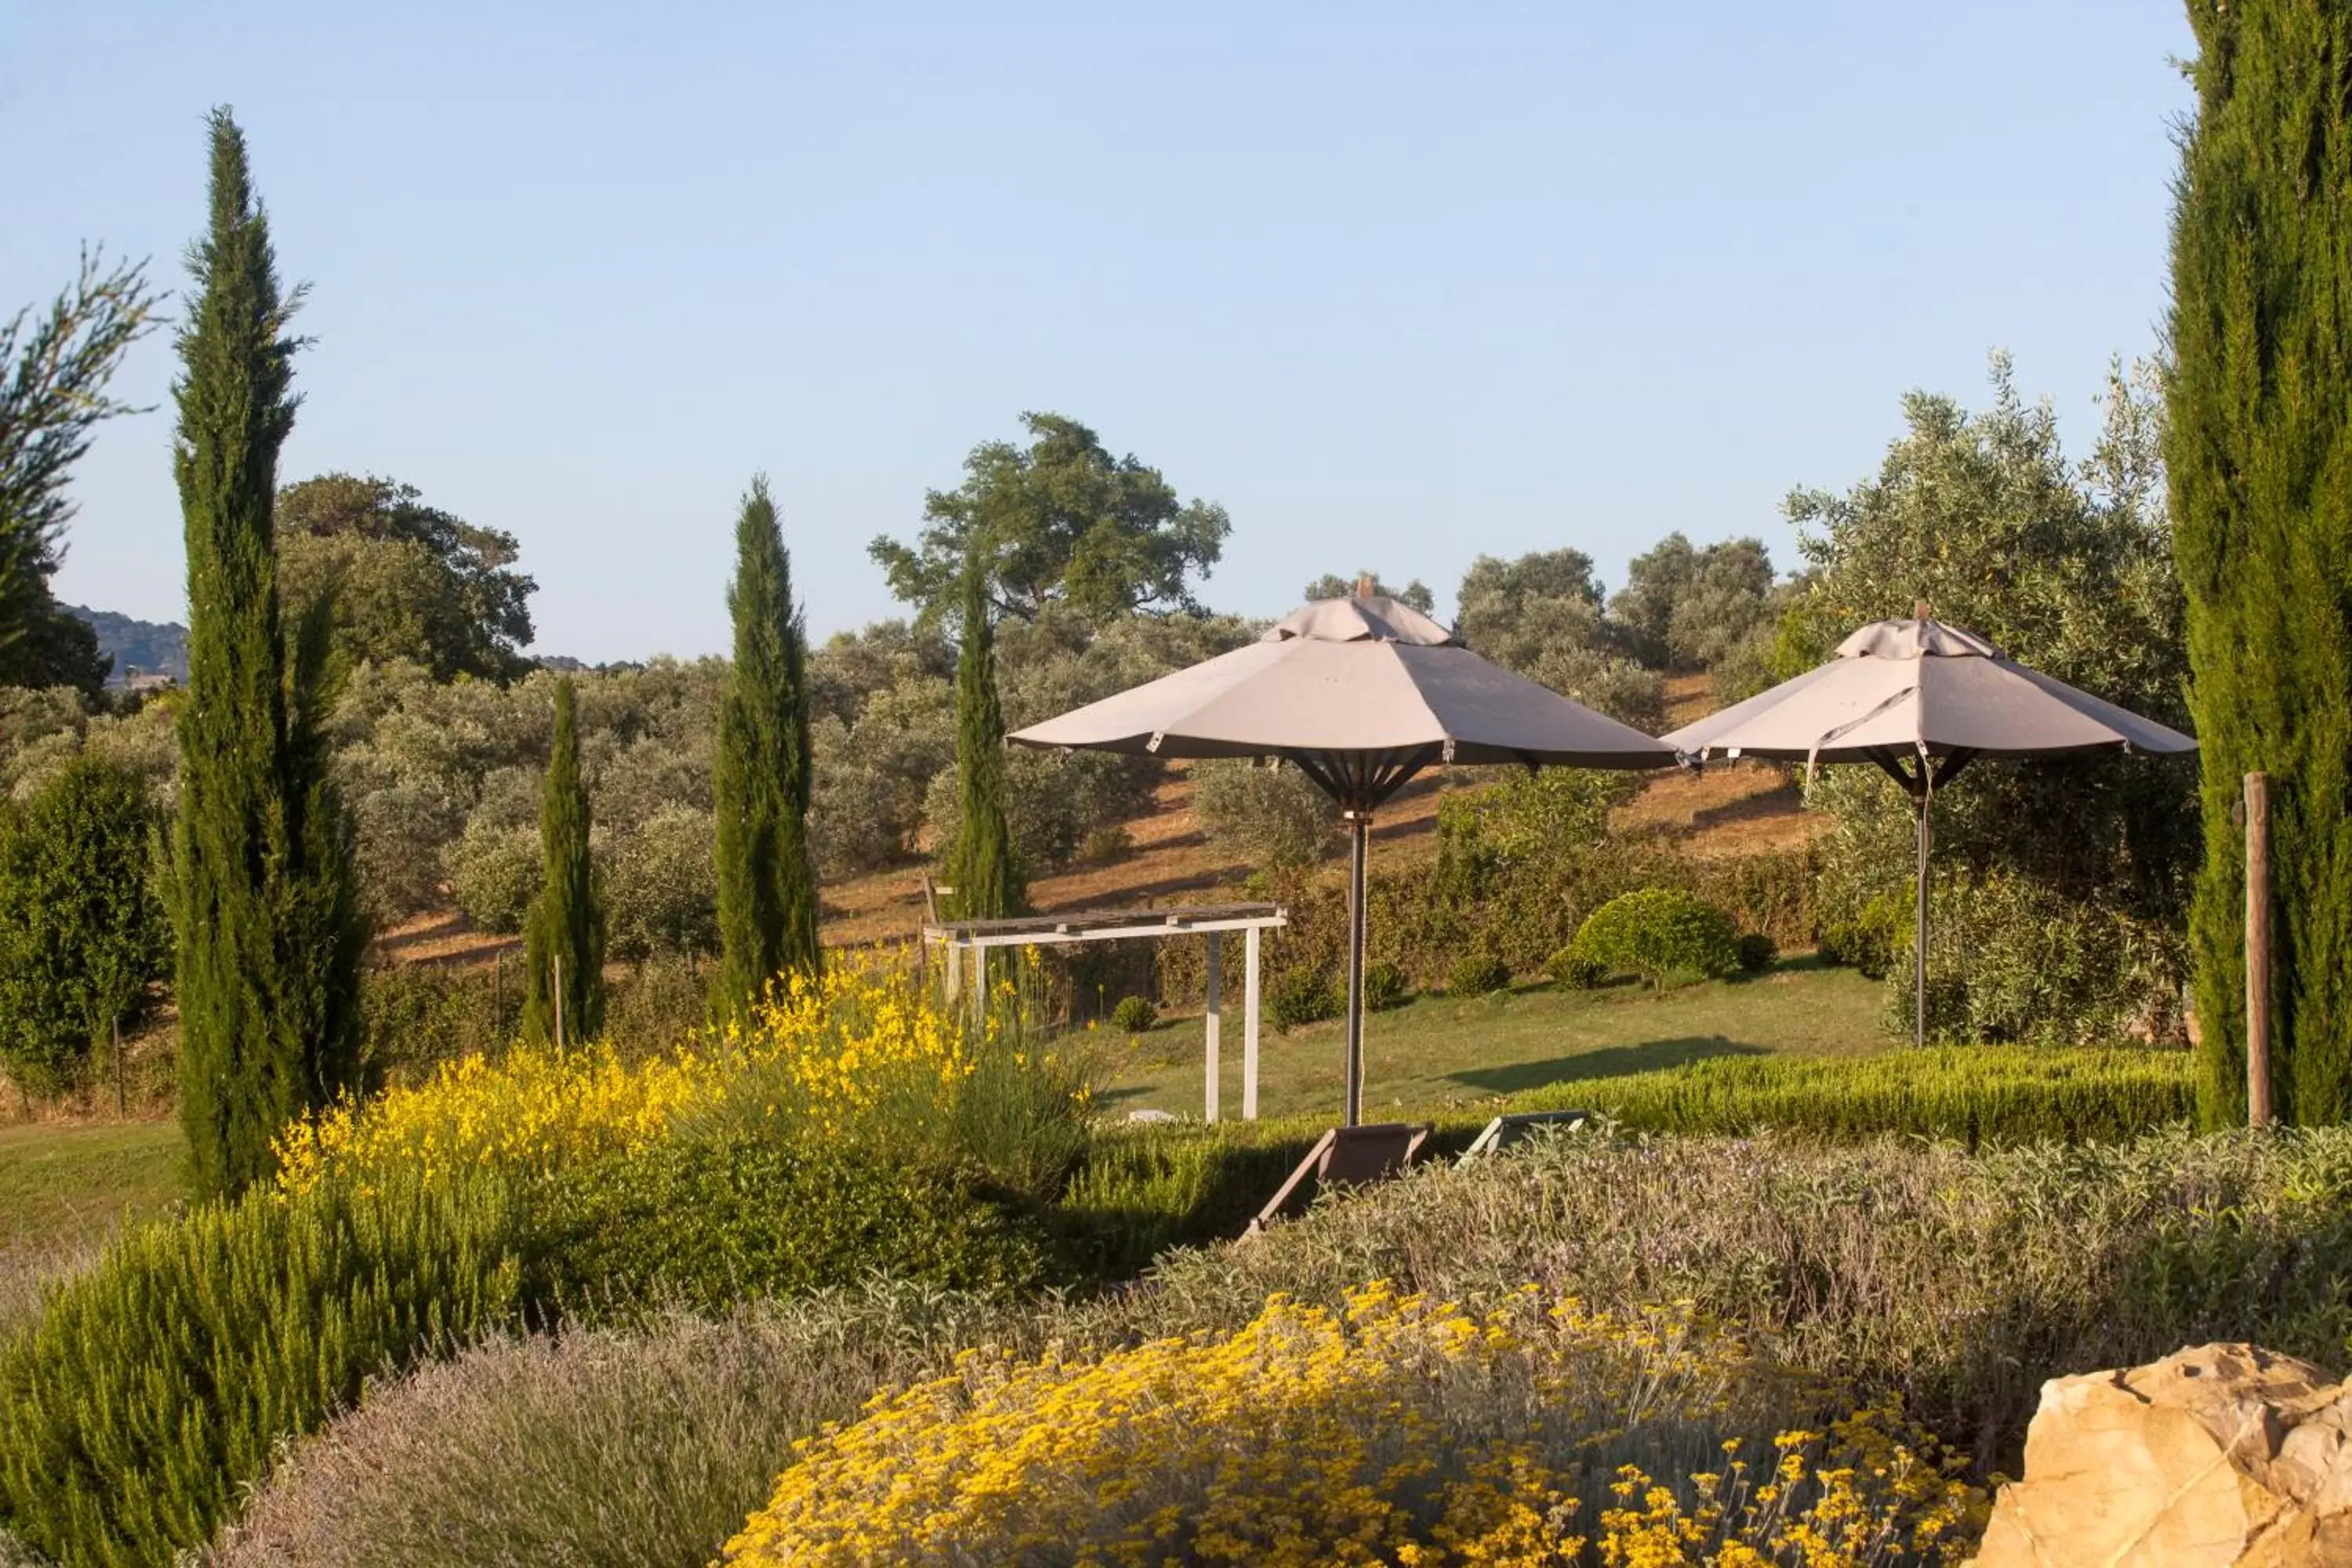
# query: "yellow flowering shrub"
1393, 1431
864, 1051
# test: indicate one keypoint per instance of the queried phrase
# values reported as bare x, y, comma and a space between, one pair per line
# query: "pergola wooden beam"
955, 938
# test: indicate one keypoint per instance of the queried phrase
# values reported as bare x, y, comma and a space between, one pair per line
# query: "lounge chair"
1348, 1156
1517, 1128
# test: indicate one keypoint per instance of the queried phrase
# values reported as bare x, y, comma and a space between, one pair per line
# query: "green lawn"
1436, 1051
68, 1186
64, 1190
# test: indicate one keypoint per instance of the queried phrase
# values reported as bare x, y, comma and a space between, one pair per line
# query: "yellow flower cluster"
863, 1037
1395, 1431
530, 1110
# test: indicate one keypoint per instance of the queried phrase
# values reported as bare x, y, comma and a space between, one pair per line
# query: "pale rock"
2223, 1455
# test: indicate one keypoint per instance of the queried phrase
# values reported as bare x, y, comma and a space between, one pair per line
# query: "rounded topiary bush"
1757, 953
1573, 971
1477, 975
1134, 1015
1385, 985
1660, 934
1301, 996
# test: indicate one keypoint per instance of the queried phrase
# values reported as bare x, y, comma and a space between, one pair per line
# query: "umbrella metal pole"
1359, 824
1919, 936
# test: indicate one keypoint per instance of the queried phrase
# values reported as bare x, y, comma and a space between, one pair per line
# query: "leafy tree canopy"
1540, 615
413, 581
1059, 520
54, 369
1687, 606
1331, 585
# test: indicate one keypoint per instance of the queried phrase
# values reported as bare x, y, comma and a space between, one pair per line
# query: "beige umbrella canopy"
1361, 694
1921, 699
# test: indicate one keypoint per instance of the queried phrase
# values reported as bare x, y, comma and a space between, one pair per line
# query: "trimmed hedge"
154, 1387
1974, 1095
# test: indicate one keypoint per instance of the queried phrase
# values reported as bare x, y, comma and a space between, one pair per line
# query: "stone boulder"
2220, 1455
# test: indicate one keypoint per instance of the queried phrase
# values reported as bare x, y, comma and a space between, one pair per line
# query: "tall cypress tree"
761, 778
566, 933
985, 873
2260, 454
269, 930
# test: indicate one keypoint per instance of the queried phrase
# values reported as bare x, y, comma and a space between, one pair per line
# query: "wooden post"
555, 989
2258, 949
1211, 1025
1249, 1025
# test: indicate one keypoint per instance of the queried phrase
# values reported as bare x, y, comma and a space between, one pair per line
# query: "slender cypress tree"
2259, 450
269, 932
566, 935
761, 776
985, 873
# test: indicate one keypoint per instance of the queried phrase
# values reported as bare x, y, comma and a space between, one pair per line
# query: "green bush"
2012, 959
1757, 953
413, 1016
1272, 817
708, 1222
1106, 847
81, 930
1134, 1015
494, 871
1573, 971
1659, 934
1871, 941
1477, 975
1385, 985
156, 1385
658, 1005
1301, 996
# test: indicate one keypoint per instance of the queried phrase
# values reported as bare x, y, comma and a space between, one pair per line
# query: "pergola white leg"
953, 955
1212, 1023
1249, 1025
979, 980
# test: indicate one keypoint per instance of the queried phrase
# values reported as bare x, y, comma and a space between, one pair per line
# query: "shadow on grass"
1610, 1061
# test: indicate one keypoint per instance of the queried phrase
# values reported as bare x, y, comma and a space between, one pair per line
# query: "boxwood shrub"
1659, 934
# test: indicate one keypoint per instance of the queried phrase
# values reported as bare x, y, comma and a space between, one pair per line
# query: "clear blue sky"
1397, 284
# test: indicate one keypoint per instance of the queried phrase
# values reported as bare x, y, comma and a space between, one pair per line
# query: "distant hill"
152, 647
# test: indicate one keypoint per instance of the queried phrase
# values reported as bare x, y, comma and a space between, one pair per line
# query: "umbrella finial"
1919, 610
1364, 585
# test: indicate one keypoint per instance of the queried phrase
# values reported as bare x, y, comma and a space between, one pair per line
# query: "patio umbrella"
1361, 694
1919, 692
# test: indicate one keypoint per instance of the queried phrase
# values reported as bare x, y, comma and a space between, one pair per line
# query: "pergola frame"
957, 937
